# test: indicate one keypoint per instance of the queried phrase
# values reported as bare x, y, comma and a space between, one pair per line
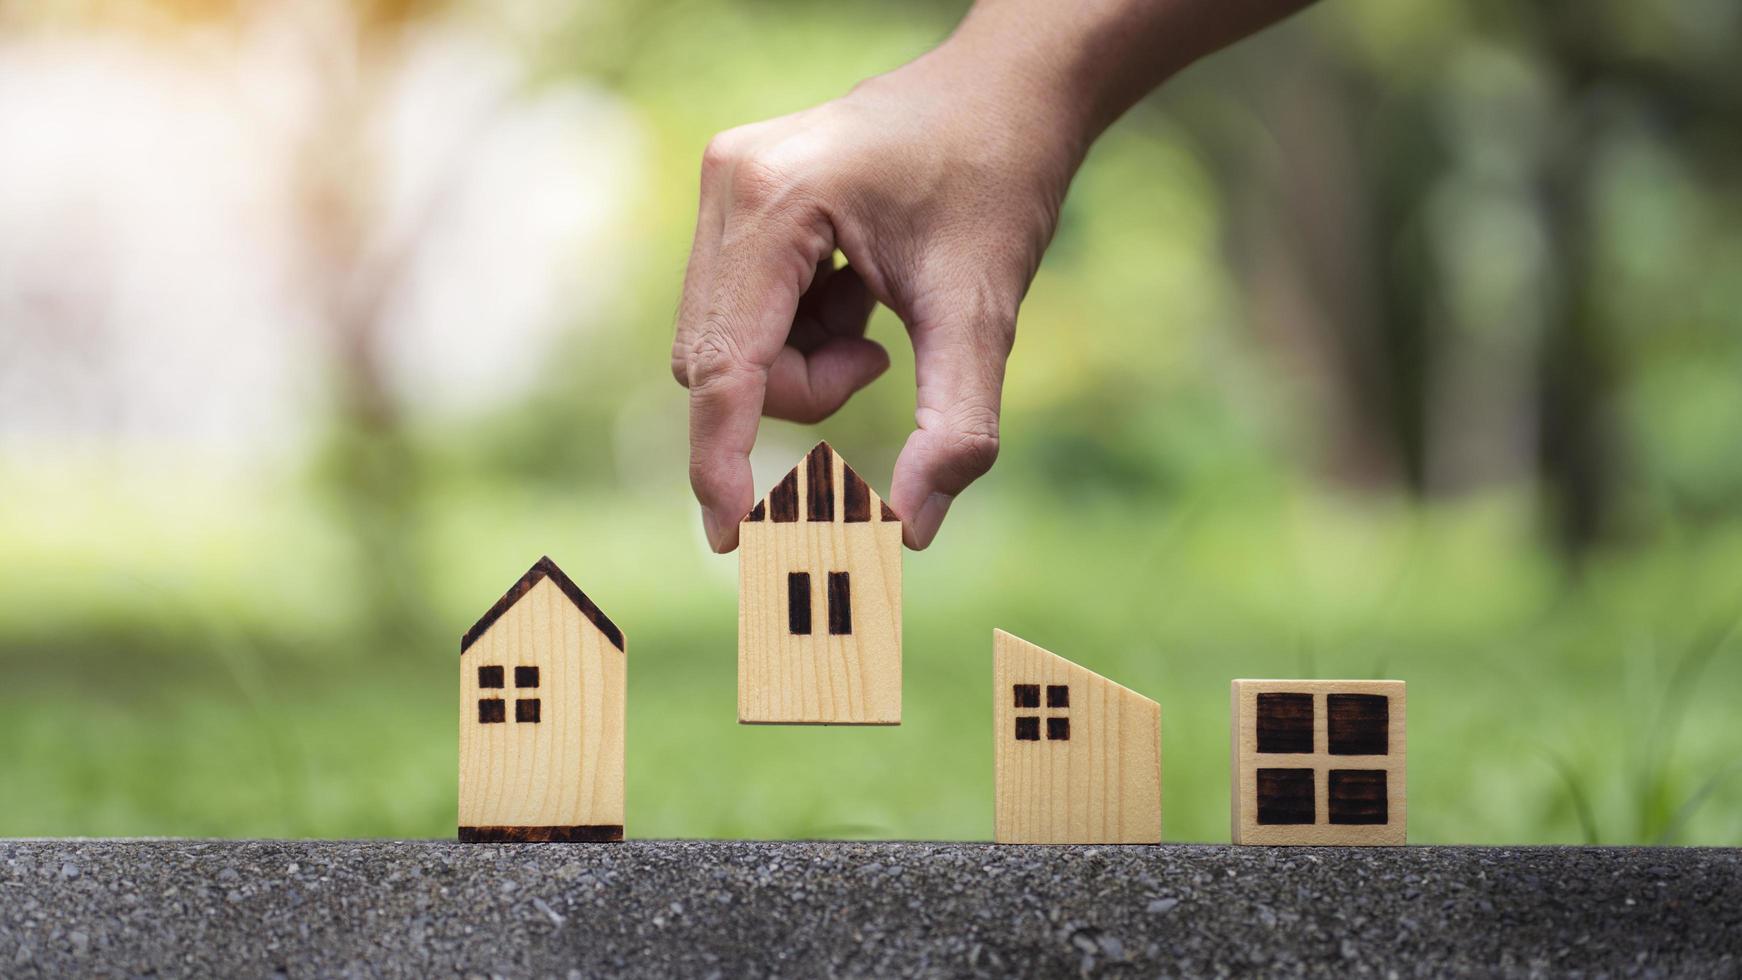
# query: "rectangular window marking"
1028, 729
840, 604
1358, 796
1058, 696
489, 676
1359, 724
1027, 695
1285, 796
526, 709
758, 512
855, 497
783, 501
798, 603
526, 677
820, 484
1058, 729
1285, 722
490, 710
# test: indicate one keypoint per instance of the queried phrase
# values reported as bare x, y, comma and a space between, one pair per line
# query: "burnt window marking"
783, 502
855, 497
526, 709
757, 512
1285, 723
1358, 796
1058, 727
489, 676
1359, 724
840, 604
798, 603
490, 710
526, 677
1285, 796
820, 485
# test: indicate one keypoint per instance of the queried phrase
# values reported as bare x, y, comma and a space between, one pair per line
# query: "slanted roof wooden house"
541, 716
1076, 757
819, 601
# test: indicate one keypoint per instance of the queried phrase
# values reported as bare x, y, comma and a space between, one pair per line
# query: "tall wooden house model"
541, 716
819, 601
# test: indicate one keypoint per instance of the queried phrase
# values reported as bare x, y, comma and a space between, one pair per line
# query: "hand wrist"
1031, 97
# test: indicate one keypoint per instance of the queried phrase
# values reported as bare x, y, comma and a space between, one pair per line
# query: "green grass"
192, 665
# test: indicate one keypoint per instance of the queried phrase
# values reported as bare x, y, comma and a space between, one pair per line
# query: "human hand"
941, 184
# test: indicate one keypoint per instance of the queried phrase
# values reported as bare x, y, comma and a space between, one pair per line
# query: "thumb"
959, 367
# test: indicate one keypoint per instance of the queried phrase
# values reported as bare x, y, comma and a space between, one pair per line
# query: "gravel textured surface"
706, 908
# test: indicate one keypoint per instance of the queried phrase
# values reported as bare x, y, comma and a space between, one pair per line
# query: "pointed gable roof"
542, 569
812, 484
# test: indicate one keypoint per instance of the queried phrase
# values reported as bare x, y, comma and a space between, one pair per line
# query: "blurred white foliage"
156, 282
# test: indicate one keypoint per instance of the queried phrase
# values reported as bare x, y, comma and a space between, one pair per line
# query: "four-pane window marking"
1355, 725
491, 710
798, 603
1058, 727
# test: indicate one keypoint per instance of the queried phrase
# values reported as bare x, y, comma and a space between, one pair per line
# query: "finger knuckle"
973, 441
759, 184
719, 155
680, 364
713, 360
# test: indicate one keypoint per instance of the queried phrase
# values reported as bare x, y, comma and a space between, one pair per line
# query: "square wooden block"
1318, 762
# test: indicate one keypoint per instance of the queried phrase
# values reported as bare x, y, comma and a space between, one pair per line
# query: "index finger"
763, 267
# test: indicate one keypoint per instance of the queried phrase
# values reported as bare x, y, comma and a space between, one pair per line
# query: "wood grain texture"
1364, 803
1091, 774
847, 672
564, 769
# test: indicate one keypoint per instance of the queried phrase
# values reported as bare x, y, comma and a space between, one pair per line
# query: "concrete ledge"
683, 908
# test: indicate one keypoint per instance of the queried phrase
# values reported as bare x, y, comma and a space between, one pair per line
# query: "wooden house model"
819, 601
1076, 757
1318, 762
541, 716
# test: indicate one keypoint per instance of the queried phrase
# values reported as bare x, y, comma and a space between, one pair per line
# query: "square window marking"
1285, 796
1027, 695
1285, 723
526, 677
1358, 724
1058, 729
526, 709
490, 710
1358, 796
1058, 696
490, 676
1028, 729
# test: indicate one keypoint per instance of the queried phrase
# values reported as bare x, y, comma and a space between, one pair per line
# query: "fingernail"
930, 517
712, 527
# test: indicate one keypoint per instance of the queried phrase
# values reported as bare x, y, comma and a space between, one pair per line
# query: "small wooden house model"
541, 716
1076, 757
1318, 762
819, 601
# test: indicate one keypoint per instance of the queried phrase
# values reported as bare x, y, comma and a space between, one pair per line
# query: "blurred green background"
1404, 340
